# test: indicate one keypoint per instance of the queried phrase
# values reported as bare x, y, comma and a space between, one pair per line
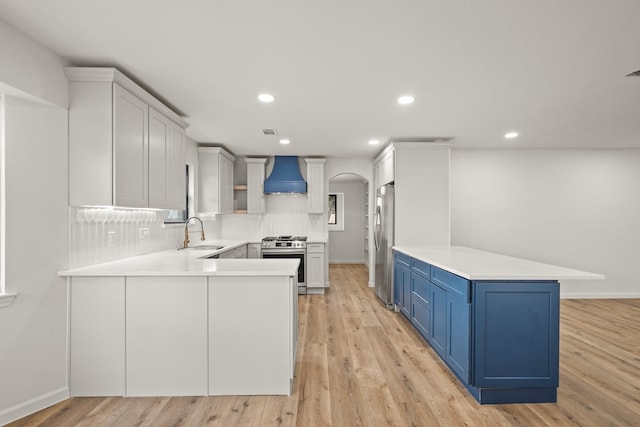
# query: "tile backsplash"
286, 214
107, 234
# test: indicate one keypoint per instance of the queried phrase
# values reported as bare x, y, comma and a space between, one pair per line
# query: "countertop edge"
568, 274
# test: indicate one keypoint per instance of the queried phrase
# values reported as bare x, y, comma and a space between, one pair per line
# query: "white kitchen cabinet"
236, 253
109, 140
384, 167
316, 196
254, 250
215, 180
131, 149
255, 185
98, 336
252, 335
315, 267
166, 163
166, 323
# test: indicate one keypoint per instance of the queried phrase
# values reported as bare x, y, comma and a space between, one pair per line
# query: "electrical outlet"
143, 233
110, 238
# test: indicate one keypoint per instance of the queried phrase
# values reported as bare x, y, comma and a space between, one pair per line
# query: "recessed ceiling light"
373, 142
266, 97
284, 141
511, 135
406, 99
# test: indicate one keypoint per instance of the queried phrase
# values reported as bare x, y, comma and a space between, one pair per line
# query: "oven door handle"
296, 252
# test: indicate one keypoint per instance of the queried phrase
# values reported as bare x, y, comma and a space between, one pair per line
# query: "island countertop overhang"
473, 264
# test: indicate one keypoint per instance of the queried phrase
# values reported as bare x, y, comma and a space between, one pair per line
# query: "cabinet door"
516, 334
176, 171
458, 336
315, 186
215, 180
159, 159
438, 334
397, 284
131, 146
255, 185
315, 270
253, 251
226, 185
166, 321
97, 340
406, 294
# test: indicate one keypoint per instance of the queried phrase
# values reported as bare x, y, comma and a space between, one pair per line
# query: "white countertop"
189, 263
474, 264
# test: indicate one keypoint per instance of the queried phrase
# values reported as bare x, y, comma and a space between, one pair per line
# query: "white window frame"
6, 299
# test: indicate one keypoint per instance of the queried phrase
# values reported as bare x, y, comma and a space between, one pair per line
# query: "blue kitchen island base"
499, 337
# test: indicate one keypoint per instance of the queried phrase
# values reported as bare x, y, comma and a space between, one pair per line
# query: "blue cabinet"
451, 320
402, 283
420, 304
438, 336
500, 337
517, 337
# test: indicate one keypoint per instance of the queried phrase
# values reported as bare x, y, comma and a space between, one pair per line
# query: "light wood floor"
360, 364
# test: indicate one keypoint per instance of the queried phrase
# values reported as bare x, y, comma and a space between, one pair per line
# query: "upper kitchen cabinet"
125, 146
215, 180
166, 162
255, 185
384, 167
315, 185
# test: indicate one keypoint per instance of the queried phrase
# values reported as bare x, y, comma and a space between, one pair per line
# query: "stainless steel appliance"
383, 239
294, 247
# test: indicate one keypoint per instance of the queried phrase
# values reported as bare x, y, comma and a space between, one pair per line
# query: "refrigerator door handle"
378, 225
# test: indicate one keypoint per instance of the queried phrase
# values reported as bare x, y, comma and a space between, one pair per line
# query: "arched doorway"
348, 219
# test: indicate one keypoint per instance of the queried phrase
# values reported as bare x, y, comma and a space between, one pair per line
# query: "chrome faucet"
186, 231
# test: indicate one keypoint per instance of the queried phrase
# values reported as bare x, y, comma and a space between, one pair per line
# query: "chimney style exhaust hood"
285, 177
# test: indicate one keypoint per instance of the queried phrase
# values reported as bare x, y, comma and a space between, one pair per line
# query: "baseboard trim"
346, 261
599, 295
33, 405
372, 284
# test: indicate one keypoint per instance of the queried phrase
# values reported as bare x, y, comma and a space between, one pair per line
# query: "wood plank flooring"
360, 364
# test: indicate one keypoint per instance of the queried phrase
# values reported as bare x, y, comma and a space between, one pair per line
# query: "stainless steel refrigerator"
383, 239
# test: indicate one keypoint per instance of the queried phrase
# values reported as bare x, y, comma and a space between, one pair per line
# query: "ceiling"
552, 70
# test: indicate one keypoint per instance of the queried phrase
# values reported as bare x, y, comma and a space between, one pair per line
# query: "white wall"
347, 246
33, 335
574, 208
29, 69
33, 331
422, 206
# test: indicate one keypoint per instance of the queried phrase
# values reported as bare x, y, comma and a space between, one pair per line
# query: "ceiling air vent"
269, 131
423, 139
634, 74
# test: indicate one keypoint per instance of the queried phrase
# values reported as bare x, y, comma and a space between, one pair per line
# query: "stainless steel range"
294, 247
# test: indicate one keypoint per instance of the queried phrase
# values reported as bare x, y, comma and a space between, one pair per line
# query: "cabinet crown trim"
217, 150
113, 75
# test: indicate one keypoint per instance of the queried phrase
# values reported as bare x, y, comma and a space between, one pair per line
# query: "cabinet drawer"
401, 258
455, 285
420, 288
420, 317
315, 248
421, 268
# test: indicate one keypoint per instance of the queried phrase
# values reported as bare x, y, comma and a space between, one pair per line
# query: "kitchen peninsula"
175, 323
493, 319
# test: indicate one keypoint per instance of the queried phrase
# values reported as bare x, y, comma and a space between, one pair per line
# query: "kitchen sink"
203, 247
